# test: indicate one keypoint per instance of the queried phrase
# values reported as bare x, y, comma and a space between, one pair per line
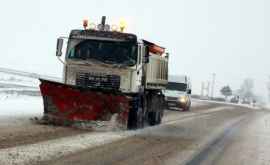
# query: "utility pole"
213, 85
208, 89
202, 89
268, 87
205, 88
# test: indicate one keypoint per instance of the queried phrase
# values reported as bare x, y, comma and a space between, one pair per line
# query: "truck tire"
139, 118
159, 118
187, 108
158, 105
136, 115
45, 104
154, 118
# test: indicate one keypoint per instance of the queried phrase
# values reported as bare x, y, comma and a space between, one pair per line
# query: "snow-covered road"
23, 142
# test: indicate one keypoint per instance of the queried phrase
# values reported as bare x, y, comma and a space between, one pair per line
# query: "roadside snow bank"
32, 154
225, 103
14, 106
197, 103
10, 80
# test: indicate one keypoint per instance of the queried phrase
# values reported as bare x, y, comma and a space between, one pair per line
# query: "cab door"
139, 68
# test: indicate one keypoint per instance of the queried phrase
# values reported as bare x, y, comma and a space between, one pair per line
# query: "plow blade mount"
68, 105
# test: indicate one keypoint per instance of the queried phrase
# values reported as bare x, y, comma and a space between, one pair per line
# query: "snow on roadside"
19, 106
197, 103
13, 102
225, 103
25, 107
267, 105
53, 149
9, 79
31, 154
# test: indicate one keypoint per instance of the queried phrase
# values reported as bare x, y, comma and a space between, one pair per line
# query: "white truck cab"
177, 93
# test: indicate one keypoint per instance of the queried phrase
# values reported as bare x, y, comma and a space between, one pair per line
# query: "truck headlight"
183, 99
71, 80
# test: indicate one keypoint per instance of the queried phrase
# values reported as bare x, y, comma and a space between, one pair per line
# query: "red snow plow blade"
67, 104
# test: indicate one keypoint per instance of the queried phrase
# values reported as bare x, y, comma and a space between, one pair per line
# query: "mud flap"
68, 105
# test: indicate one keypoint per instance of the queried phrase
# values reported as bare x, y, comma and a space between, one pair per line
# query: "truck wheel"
45, 103
139, 118
159, 118
187, 108
135, 120
154, 118
136, 117
145, 113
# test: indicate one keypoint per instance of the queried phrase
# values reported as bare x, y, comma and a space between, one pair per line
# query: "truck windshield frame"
106, 51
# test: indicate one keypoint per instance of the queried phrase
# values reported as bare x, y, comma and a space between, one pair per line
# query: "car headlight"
183, 99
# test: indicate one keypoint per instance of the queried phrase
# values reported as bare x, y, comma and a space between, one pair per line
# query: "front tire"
136, 114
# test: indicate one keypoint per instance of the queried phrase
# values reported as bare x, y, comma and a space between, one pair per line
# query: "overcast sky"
228, 37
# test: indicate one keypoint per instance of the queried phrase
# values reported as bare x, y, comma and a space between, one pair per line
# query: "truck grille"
91, 80
169, 98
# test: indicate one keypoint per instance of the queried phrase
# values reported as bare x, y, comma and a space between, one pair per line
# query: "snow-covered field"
14, 85
15, 96
12, 105
7, 80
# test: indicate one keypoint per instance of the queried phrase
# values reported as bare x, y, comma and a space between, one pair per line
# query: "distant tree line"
245, 93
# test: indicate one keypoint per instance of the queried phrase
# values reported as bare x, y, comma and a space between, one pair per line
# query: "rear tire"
159, 118
154, 118
158, 105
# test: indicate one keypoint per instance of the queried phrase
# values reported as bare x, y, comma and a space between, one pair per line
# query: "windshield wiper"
111, 63
90, 61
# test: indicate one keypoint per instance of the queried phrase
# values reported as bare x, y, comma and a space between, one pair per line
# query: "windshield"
173, 93
111, 52
177, 86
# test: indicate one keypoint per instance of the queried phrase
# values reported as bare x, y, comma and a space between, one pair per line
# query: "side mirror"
59, 47
167, 55
189, 91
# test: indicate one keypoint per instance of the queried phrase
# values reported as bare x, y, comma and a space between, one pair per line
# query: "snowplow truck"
107, 75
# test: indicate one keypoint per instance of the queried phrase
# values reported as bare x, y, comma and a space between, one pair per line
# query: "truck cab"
113, 60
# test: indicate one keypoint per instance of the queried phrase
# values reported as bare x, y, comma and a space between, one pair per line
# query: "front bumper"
177, 104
